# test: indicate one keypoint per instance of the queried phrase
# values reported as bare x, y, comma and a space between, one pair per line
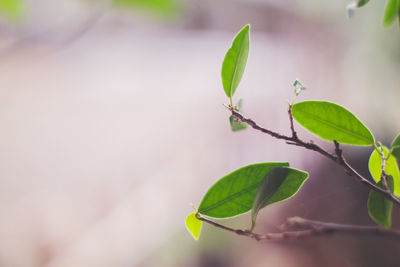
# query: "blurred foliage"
392, 10
11, 9
361, 3
165, 8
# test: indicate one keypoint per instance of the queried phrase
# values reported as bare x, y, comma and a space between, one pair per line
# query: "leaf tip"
193, 225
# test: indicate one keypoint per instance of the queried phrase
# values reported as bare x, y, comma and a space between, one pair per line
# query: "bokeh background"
112, 123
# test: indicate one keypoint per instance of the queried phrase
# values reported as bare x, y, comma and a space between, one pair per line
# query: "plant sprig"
256, 186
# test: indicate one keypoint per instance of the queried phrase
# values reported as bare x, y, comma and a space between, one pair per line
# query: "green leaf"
332, 122
361, 3
193, 225
391, 168
11, 8
391, 11
235, 61
396, 147
398, 15
235, 124
165, 8
234, 193
379, 208
279, 184
298, 87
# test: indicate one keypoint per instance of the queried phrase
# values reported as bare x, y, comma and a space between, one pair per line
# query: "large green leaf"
380, 208
193, 225
235, 124
391, 11
332, 122
234, 193
391, 168
235, 61
11, 8
279, 184
396, 147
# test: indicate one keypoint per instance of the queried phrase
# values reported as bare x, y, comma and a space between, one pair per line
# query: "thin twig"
292, 140
352, 172
294, 134
259, 128
337, 157
310, 228
332, 228
258, 237
383, 167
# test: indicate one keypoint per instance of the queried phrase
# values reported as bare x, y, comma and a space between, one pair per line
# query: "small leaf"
332, 122
234, 193
396, 147
361, 3
279, 184
193, 225
380, 208
235, 61
237, 125
391, 168
298, 87
391, 11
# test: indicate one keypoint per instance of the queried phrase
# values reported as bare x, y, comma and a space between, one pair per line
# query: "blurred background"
112, 123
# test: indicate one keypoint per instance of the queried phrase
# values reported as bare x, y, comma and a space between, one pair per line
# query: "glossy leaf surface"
279, 184
234, 193
332, 122
193, 225
391, 168
235, 61
379, 208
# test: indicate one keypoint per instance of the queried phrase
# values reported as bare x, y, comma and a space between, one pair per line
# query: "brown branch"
294, 140
337, 157
310, 228
352, 172
333, 228
259, 128
258, 237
